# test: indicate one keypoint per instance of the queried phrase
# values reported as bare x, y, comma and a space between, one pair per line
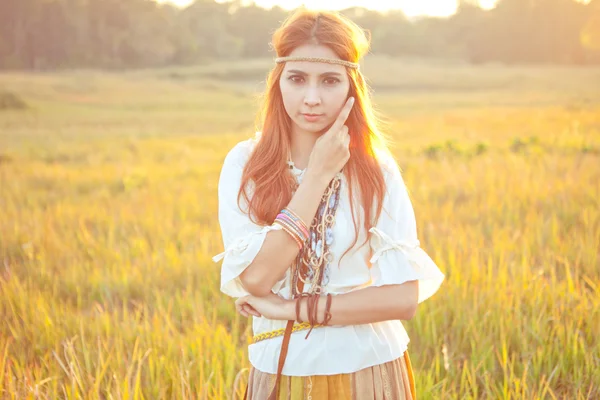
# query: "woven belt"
280, 332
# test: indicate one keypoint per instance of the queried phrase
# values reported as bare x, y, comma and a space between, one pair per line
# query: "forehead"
312, 67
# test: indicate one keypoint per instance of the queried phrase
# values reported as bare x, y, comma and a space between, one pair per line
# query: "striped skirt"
389, 381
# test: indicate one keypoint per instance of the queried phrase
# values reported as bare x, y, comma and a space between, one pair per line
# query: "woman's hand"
332, 149
271, 306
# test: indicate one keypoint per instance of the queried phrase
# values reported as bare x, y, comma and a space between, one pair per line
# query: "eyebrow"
296, 71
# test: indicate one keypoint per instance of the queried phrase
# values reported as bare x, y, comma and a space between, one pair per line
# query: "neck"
302, 143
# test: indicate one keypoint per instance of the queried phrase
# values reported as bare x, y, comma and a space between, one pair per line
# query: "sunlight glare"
410, 7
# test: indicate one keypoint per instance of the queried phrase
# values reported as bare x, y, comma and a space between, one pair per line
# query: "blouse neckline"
297, 171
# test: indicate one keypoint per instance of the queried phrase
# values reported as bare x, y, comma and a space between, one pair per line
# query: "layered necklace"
312, 264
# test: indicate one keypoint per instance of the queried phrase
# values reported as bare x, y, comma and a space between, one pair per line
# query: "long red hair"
267, 166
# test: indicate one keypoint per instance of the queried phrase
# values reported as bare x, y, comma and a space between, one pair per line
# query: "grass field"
108, 223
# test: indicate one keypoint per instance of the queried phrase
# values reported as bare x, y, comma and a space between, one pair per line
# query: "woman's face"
313, 92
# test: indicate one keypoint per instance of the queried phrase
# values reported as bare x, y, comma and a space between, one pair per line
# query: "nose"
312, 97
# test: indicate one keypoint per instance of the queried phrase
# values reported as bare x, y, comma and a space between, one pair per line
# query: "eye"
296, 78
332, 81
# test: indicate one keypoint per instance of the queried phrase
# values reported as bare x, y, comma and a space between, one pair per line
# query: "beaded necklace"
312, 264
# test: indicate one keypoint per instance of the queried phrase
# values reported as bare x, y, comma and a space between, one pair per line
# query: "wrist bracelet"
288, 221
289, 231
298, 306
327, 316
296, 219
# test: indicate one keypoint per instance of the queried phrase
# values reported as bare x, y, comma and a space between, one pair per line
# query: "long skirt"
389, 381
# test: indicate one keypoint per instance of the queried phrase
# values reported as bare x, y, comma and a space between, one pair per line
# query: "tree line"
55, 34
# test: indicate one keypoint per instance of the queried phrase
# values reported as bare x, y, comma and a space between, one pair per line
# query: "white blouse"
392, 256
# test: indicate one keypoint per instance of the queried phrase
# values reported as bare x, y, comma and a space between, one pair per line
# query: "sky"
409, 7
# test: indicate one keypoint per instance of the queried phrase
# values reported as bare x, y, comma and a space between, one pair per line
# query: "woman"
327, 280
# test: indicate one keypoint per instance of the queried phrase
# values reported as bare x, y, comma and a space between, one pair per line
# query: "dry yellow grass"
108, 222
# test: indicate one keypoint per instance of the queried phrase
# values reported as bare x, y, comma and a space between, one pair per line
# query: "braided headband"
318, 59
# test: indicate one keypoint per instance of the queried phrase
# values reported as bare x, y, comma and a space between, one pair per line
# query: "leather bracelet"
327, 316
298, 300
312, 308
315, 309
298, 305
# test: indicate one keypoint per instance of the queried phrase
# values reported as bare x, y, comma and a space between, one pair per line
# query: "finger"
346, 141
250, 310
242, 309
241, 300
254, 311
238, 308
239, 305
343, 116
343, 136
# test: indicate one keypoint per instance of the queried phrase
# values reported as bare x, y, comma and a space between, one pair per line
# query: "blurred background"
115, 118
44, 34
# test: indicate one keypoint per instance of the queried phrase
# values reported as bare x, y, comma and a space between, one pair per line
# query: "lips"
312, 117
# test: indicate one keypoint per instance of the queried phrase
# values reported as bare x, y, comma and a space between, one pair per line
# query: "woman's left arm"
362, 306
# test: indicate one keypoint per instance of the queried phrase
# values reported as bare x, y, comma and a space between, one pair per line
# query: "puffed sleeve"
242, 238
397, 255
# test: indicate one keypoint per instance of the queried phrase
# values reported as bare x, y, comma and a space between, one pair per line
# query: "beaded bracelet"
293, 225
284, 217
290, 232
292, 229
288, 214
296, 219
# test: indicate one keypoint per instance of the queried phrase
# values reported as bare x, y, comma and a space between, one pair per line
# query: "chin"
313, 128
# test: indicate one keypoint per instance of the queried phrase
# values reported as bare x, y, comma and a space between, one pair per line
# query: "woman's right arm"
279, 249
328, 156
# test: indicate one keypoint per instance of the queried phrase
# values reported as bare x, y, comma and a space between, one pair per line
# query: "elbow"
254, 285
410, 311
409, 295
258, 290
